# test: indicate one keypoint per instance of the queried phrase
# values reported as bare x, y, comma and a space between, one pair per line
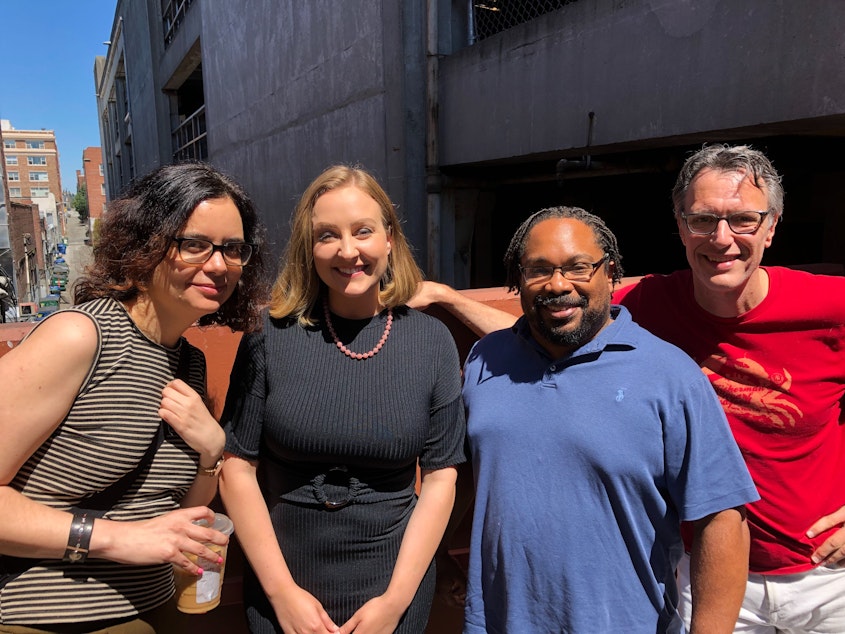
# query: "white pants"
811, 602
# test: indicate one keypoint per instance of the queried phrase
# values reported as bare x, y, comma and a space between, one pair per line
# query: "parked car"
59, 260
43, 312
49, 301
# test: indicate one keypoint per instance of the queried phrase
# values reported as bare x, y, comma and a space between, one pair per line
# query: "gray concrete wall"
141, 59
649, 69
292, 87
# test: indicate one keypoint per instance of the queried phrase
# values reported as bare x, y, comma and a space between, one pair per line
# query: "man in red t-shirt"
772, 341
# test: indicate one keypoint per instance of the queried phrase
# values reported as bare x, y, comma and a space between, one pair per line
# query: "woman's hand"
184, 410
163, 539
377, 616
299, 612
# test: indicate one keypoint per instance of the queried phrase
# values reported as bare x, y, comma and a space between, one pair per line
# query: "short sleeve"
445, 445
243, 413
704, 466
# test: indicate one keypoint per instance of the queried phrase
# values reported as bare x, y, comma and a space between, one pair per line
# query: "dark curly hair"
138, 228
604, 237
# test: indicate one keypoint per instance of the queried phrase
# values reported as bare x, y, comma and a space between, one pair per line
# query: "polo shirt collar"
620, 333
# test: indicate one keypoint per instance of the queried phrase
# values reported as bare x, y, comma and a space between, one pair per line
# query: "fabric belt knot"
335, 488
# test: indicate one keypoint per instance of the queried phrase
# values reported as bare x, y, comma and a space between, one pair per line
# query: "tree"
80, 203
95, 234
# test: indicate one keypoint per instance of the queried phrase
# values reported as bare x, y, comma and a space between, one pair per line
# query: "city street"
78, 254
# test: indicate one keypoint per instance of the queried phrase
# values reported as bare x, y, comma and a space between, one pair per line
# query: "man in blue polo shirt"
591, 441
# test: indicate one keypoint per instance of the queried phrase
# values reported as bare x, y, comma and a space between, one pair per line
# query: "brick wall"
92, 159
23, 168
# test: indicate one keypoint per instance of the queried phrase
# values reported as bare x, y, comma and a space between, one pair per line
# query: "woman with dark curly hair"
110, 453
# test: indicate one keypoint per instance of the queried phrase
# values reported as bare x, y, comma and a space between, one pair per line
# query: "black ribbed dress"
337, 442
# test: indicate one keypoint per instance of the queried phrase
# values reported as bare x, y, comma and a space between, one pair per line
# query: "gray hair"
732, 158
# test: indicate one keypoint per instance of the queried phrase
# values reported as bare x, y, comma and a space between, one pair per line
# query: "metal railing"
494, 16
190, 138
172, 14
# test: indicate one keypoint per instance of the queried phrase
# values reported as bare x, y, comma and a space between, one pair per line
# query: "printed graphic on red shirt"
750, 392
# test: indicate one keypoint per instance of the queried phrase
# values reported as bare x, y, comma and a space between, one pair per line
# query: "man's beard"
592, 320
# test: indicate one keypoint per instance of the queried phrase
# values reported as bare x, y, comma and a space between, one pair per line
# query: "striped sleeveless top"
112, 422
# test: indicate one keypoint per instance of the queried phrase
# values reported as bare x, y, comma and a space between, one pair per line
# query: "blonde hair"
298, 287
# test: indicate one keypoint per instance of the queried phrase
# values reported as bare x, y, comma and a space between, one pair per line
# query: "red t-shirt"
779, 371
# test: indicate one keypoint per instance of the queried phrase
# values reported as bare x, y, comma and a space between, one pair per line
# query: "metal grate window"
494, 16
189, 139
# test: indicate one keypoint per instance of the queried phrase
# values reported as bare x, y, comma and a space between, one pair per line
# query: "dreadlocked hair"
604, 237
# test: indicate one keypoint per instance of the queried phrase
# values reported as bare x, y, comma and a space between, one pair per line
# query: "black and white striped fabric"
106, 433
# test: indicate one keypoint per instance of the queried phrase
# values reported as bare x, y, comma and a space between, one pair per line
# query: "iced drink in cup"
196, 595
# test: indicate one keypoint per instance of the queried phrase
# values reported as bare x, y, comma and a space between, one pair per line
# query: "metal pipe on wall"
433, 178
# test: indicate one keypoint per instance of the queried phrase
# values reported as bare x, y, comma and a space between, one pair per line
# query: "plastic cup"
197, 595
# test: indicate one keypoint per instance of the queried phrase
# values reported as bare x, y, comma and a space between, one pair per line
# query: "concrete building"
473, 114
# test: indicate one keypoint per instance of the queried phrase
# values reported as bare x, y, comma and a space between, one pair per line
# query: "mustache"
560, 302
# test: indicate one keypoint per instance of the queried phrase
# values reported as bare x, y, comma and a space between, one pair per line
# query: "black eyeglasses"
199, 251
740, 222
581, 272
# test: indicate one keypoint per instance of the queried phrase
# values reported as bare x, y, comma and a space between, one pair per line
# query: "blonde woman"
330, 409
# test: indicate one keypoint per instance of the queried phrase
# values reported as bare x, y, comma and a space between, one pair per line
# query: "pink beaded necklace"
357, 355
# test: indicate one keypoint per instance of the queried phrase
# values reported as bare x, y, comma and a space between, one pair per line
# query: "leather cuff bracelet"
79, 539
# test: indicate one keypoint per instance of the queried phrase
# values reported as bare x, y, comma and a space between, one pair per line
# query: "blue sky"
50, 83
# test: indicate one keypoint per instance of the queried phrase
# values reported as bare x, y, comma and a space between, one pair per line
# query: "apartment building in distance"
92, 178
33, 173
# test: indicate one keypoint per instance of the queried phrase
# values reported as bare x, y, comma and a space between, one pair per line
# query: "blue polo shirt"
584, 467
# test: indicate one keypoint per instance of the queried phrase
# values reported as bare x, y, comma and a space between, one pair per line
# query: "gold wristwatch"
211, 471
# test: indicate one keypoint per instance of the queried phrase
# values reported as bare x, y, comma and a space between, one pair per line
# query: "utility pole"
27, 239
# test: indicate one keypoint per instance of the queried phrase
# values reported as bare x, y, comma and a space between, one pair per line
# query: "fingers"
203, 533
303, 614
184, 410
178, 395
193, 565
327, 622
202, 546
831, 551
349, 626
425, 295
180, 387
828, 521
376, 616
